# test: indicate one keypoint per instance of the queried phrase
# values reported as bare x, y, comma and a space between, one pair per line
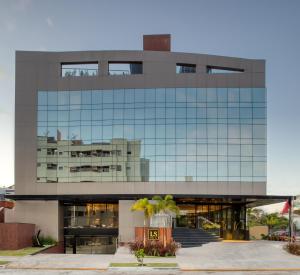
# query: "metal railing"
216, 228
67, 72
119, 72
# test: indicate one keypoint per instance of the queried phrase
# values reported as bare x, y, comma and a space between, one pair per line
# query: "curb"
237, 269
58, 268
143, 268
42, 249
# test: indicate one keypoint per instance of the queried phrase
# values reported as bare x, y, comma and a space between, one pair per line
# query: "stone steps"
188, 237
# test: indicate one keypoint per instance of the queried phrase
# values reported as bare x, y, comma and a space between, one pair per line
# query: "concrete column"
128, 220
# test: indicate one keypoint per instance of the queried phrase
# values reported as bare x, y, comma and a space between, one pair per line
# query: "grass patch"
145, 264
4, 262
160, 256
21, 252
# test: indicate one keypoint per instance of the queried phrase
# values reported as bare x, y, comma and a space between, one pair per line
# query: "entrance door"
90, 244
187, 216
186, 220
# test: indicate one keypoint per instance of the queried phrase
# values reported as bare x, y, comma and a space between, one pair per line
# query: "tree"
165, 205
255, 216
273, 221
148, 209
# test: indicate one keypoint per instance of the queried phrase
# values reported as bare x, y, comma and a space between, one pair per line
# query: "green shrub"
264, 237
140, 255
208, 226
155, 248
47, 240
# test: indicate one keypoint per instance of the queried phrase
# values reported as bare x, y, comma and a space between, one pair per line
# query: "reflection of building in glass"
73, 161
185, 134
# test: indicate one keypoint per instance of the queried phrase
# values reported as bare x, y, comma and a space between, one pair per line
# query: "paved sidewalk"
123, 255
10, 258
256, 255
62, 261
246, 255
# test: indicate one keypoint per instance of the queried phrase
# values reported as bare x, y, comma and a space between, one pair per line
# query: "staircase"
189, 237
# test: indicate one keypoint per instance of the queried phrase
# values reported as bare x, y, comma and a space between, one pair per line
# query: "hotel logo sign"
153, 234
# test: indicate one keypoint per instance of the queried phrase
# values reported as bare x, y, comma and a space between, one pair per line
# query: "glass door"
187, 216
90, 244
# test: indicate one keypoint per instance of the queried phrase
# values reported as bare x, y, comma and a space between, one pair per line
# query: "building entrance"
90, 228
227, 220
90, 244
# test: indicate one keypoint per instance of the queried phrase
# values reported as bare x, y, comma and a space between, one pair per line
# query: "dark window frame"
126, 63
209, 69
75, 63
187, 66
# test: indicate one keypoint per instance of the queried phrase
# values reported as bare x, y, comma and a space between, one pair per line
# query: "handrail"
207, 220
218, 227
119, 72
66, 72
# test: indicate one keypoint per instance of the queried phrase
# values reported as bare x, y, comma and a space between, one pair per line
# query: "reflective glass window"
162, 134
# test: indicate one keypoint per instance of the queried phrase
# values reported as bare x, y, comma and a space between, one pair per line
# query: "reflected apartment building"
75, 161
96, 130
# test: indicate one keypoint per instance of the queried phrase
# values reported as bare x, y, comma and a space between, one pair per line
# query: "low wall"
2, 215
256, 231
16, 235
46, 215
139, 234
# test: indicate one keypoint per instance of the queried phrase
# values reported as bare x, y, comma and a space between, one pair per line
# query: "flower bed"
155, 248
293, 248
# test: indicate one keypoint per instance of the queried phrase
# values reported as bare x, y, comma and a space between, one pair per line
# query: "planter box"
163, 231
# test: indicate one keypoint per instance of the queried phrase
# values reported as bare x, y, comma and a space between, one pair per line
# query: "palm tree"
148, 209
165, 205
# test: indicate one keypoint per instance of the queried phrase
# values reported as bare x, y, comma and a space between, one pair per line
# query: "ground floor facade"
97, 224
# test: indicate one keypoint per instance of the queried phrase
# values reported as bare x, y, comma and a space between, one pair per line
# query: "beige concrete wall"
256, 231
44, 214
128, 220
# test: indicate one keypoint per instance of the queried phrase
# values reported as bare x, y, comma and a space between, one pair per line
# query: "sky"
258, 29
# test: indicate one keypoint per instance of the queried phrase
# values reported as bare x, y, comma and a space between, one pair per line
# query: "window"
79, 69
185, 68
51, 166
125, 68
155, 134
222, 70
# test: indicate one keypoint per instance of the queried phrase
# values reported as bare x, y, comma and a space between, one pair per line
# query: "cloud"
49, 22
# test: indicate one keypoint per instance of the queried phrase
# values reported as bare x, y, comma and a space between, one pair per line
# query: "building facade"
96, 130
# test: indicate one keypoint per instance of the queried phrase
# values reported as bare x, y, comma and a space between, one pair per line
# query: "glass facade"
228, 216
165, 134
91, 215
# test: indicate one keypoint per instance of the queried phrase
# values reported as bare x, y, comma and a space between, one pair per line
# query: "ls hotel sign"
153, 234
